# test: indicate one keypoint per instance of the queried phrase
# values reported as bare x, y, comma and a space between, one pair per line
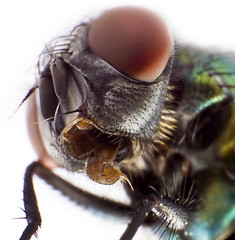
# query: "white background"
26, 26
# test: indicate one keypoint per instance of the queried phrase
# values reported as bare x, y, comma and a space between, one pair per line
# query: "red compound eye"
133, 40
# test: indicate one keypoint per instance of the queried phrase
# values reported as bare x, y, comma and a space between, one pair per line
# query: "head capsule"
95, 111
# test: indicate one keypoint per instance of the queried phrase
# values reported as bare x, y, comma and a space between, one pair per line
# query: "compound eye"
133, 40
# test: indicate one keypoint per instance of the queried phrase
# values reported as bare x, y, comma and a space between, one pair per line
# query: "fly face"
97, 111
161, 121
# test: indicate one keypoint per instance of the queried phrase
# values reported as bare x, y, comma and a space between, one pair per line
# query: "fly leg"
30, 204
82, 197
78, 195
139, 217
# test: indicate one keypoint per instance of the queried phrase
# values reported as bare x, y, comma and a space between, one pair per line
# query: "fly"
118, 101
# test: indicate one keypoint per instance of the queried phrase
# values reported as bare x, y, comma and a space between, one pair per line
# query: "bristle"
168, 118
168, 121
173, 212
167, 125
166, 111
166, 130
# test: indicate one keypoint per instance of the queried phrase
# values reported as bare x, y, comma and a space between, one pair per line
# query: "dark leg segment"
30, 203
81, 197
139, 217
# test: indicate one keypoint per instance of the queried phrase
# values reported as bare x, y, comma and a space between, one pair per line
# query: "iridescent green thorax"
207, 78
217, 216
206, 136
